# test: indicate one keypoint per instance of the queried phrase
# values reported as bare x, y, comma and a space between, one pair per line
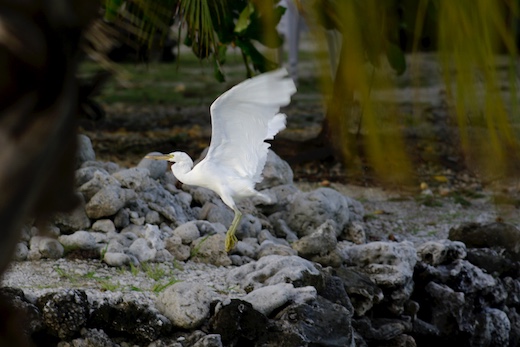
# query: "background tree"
360, 131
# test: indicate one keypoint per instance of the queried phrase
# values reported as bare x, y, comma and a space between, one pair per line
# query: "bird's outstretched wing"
244, 117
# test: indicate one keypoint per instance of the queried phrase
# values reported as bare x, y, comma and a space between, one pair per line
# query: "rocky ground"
335, 261
141, 263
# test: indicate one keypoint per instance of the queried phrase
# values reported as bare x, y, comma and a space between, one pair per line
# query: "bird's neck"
182, 171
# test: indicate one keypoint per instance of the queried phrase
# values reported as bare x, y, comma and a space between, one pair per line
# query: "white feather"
244, 117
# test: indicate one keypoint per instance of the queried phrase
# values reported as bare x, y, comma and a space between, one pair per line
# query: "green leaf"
111, 9
396, 58
221, 54
219, 75
245, 18
260, 63
265, 31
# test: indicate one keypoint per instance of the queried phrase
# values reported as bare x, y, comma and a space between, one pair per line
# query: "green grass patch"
159, 287
196, 249
429, 201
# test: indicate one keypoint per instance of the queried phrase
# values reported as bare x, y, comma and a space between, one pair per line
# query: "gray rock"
386, 332
464, 277
280, 227
21, 251
281, 197
448, 309
266, 201
310, 210
247, 249
249, 226
210, 249
156, 168
177, 249
236, 320
93, 338
32, 320
153, 234
217, 213
49, 230
388, 264
492, 329
85, 174
321, 242
132, 178
122, 218
100, 180
354, 232
77, 219
269, 247
138, 208
153, 217
493, 260
267, 299
64, 313
107, 166
163, 256
85, 150
131, 318
102, 239
265, 235
333, 258
503, 235
334, 289
135, 219
116, 259
26, 233
207, 228
107, 201
115, 246
442, 251
49, 247
210, 340
357, 211
239, 260
320, 323
175, 208
188, 232
187, 305
143, 250
126, 238
514, 319
79, 240
276, 172
202, 196
274, 269
512, 287
361, 290
104, 225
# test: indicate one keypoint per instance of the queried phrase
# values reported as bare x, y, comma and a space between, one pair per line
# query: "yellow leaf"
441, 178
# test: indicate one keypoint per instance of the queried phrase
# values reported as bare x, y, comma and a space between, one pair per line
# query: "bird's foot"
231, 240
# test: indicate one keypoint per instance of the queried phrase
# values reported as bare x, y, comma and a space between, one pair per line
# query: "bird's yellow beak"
159, 156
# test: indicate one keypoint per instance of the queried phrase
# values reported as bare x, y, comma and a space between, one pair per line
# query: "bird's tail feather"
275, 125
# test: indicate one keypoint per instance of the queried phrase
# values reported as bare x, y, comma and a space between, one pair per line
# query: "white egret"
242, 119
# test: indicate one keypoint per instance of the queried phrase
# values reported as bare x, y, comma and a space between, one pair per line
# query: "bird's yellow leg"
231, 239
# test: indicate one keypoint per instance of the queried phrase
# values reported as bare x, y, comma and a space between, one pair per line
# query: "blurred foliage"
210, 26
369, 42
472, 37
475, 41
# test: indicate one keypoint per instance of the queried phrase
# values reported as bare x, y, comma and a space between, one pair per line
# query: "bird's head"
174, 157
